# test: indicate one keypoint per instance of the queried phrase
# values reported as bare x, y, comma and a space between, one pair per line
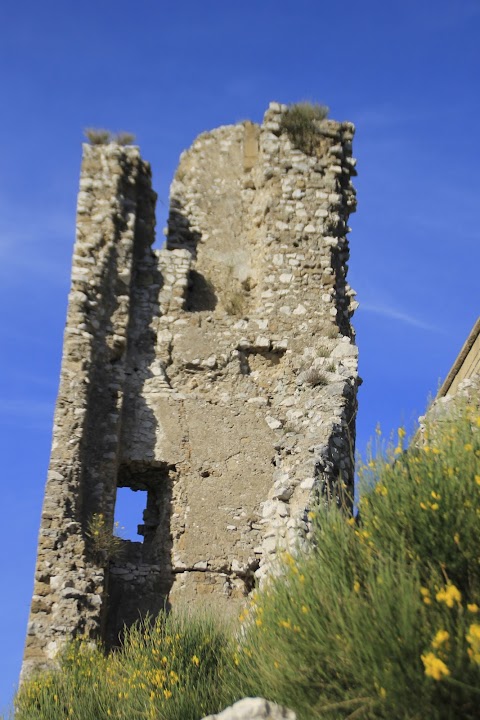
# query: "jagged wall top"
217, 375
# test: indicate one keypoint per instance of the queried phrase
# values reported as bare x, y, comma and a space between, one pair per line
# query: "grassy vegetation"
170, 669
301, 123
315, 377
100, 136
380, 620
235, 303
104, 544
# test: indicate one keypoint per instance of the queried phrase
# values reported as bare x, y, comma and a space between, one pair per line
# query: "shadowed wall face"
216, 376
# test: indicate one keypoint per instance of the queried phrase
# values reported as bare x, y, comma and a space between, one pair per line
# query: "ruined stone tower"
217, 376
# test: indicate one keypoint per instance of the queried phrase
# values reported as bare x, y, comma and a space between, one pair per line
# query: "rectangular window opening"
130, 506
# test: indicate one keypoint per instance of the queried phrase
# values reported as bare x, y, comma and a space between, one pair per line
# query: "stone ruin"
217, 376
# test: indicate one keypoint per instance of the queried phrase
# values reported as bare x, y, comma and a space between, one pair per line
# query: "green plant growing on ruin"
123, 138
105, 544
323, 351
234, 300
301, 121
315, 377
98, 136
235, 303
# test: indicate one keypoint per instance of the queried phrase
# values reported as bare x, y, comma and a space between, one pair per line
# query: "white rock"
300, 310
273, 423
254, 709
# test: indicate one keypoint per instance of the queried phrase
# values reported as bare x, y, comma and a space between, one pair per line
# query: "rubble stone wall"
217, 376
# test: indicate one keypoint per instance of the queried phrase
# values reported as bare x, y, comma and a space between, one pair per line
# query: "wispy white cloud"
399, 315
36, 246
27, 414
22, 407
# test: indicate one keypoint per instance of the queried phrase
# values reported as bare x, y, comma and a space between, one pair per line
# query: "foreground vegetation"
168, 668
380, 620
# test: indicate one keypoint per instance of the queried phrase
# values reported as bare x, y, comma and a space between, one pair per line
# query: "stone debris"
254, 709
217, 376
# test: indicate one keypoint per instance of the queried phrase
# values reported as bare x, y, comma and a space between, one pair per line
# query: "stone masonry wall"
217, 376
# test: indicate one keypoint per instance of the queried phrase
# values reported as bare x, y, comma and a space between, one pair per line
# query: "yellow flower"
473, 637
356, 586
381, 490
383, 693
196, 660
304, 609
168, 694
434, 506
285, 624
258, 622
477, 479
434, 667
472, 607
449, 595
468, 447
401, 433
456, 538
423, 506
440, 638
426, 595
435, 495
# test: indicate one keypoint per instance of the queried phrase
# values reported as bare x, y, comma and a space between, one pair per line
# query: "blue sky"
405, 73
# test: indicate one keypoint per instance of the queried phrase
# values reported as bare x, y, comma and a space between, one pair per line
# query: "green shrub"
315, 377
124, 138
98, 136
104, 543
168, 669
382, 618
301, 123
235, 303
